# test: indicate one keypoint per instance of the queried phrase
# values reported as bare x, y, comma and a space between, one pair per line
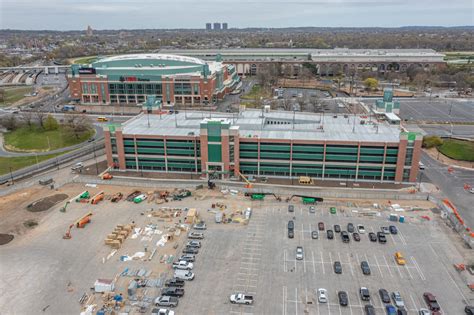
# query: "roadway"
452, 185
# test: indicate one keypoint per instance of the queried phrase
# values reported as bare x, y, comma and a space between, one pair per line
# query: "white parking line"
330, 259
388, 267
380, 270
322, 262
296, 299
312, 256
284, 300
350, 263
349, 303
414, 303
285, 269
408, 269
418, 268
402, 237
304, 265
302, 231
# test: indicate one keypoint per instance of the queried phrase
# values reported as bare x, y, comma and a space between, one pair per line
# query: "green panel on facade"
179, 144
244, 154
265, 147
330, 149
214, 152
150, 143
179, 152
214, 138
371, 151
391, 159
275, 155
369, 173
307, 156
129, 150
248, 168
371, 158
392, 151
247, 146
307, 170
333, 157
128, 142
151, 150
315, 149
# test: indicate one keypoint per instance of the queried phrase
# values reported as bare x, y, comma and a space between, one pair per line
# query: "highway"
452, 185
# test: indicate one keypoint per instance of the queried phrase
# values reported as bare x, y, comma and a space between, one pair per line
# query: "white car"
322, 295
471, 190
299, 253
360, 228
385, 229
397, 299
183, 265
424, 311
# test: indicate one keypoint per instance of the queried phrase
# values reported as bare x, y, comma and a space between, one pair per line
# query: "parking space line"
304, 265
413, 301
302, 231
296, 299
285, 269
284, 300
330, 259
400, 235
322, 262
314, 267
378, 266
388, 267
408, 269
350, 264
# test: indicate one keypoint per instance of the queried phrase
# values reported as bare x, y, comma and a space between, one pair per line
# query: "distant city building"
217, 26
208, 26
278, 144
224, 26
89, 31
171, 79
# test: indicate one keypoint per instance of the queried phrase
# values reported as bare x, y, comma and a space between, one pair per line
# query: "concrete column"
258, 159
136, 152
236, 155
384, 158
402, 150
165, 153
324, 161
46, 70
204, 151
120, 149
416, 159
225, 153
56, 70
358, 161
108, 148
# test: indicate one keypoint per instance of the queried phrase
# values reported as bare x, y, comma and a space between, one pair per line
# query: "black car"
343, 298
337, 228
364, 294
330, 234
381, 237
372, 237
365, 267
350, 227
190, 250
174, 282
469, 310
356, 236
369, 310
291, 234
393, 229
337, 267
384, 296
172, 291
345, 237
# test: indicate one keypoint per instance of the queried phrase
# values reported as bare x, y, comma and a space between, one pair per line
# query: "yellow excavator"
249, 184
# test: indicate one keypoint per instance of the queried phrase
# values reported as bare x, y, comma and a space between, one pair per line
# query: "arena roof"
151, 57
307, 126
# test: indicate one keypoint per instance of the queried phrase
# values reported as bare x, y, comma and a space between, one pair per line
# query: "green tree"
50, 123
371, 83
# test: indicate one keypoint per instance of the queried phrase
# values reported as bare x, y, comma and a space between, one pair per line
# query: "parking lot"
261, 261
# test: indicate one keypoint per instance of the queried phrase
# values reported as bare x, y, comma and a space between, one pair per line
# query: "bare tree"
9, 122
28, 118
77, 124
40, 117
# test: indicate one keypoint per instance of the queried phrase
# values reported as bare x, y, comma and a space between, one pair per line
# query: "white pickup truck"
183, 265
241, 298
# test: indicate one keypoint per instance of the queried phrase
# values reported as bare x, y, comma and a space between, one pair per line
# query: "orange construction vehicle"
67, 235
81, 223
98, 198
117, 197
107, 176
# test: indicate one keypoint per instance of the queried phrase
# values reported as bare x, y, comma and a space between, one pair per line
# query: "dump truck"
241, 298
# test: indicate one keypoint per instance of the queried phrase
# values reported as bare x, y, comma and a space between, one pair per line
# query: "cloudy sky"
134, 14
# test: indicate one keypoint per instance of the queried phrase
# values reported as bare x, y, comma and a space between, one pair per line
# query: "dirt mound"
5, 238
46, 203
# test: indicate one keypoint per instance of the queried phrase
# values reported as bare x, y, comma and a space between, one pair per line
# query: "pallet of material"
115, 244
120, 238
124, 234
109, 241
112, 236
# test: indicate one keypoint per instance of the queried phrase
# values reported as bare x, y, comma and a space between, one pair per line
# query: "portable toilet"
401, 219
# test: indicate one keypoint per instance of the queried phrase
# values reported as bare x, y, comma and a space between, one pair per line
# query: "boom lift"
249, 184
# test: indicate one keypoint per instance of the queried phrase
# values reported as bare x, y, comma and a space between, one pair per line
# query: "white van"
184, 274
421, 166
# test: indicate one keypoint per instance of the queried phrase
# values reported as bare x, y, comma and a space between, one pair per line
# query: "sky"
139, 14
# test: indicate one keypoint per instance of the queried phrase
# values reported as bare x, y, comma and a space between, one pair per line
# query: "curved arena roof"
147, 60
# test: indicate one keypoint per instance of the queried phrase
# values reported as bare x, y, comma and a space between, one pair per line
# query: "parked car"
345, 237
402, 311
312, 209
360, 228
365, 268
337, 267
190, 250
424, 311
381, 237
200, 226
399, 258
314, 235
321, 226
356, 236
161, 311
299, 253
364, 294
397, 299
196, 244
291, 208
393, 229
372, 237
187, 257
183, 274
291, 225
322, 295
291, 233
350, 227
169, 301
178, 292
241, 298
431, 301
343, 298
196, 235
391, 310
369, 310
384, 296
183, 265
385, 229
337, 228
174, 282
469, 310
330, 234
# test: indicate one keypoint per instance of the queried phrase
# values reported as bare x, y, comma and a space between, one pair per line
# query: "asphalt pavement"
452, 185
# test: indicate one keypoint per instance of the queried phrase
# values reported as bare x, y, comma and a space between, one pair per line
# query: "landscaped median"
456, 149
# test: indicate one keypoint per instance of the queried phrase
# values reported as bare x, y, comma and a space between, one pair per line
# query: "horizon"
59, 15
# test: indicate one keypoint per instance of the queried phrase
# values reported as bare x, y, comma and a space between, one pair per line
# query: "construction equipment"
133, 195
249, 184
211, 185
107, 176
81, 223
98, 198
460, 267
84, 196
139, 198
63, 208
306, 199
261, 196
67, 235
117, 197
181, 194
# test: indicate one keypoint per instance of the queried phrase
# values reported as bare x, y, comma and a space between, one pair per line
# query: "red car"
321, 226
431, 301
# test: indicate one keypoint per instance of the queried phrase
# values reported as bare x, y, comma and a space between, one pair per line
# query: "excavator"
63, 208
249, 184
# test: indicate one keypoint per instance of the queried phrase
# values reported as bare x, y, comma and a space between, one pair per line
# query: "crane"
249, 184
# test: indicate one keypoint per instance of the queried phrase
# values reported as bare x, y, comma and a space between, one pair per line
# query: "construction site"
105, 247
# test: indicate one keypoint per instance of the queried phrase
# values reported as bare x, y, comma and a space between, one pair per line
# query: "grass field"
17, 163
14, 94
458, 149
256, 92
37, 139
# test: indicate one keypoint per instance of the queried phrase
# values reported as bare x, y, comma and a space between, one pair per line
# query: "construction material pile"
118, 236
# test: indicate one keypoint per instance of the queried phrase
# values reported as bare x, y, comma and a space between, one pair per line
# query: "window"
85, 88
182, 88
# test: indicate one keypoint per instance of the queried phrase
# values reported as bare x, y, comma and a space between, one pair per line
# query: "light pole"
11, 175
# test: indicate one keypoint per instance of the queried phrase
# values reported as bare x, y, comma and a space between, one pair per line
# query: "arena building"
129, 79
265, 143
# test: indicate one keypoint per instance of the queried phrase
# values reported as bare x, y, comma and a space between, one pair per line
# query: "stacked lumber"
118, 236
